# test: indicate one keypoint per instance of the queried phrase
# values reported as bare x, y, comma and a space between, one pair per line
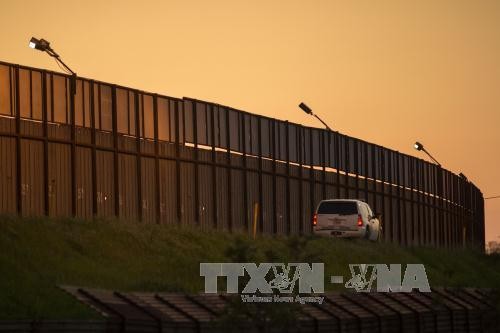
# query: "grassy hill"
38, 254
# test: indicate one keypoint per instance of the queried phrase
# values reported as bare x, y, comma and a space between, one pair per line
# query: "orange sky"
389, 72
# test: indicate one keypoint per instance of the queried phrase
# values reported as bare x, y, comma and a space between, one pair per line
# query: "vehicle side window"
362, 210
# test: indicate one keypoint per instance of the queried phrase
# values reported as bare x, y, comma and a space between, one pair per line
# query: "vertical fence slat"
72, 92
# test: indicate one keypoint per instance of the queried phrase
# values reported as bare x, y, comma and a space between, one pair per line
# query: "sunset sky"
389, 72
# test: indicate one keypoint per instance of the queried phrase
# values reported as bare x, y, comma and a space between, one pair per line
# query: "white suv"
346, 218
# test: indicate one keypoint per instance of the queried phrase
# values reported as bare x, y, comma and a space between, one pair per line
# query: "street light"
44, 46
420, 147
308, 110
495, 197
39, 44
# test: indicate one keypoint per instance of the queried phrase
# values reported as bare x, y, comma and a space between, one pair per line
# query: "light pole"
44, 46
420, 147
494, 197
308, 110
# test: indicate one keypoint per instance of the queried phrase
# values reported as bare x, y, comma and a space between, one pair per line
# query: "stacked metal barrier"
113, 151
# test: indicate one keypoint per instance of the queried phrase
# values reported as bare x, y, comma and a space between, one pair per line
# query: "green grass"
39, 254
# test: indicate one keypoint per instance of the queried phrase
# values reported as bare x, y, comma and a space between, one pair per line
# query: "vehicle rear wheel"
367, 232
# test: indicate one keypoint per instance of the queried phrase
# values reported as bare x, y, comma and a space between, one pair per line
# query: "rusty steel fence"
111, 151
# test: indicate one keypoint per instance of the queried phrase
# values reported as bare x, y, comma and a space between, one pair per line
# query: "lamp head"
418, 146
39, 44
305, 108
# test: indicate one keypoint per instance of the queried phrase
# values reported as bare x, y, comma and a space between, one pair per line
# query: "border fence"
111, 151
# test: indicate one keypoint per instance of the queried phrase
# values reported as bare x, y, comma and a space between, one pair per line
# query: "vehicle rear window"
336, 207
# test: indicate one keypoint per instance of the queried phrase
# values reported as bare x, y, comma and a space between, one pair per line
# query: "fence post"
139, 119
288, 191
19, 192
73, 142
261, 212
177, 162
157, 160
275, 132
245, 168
45, 143
115, 152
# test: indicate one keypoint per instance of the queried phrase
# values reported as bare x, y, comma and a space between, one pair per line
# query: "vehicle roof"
343, 200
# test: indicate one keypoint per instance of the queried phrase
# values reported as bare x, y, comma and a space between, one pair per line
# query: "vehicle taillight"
360, 221
315, 219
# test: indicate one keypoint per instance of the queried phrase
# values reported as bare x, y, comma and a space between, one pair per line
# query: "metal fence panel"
168, 192
282, 211
222, 199
148, 183
6, 90
32, 178
234, 130
187, 193
83, 165
206, 196
295, 210
105, 184
128, 187
253, 197
306, 216
8, 175
293, 143
269, 217
59, 179
221, 117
